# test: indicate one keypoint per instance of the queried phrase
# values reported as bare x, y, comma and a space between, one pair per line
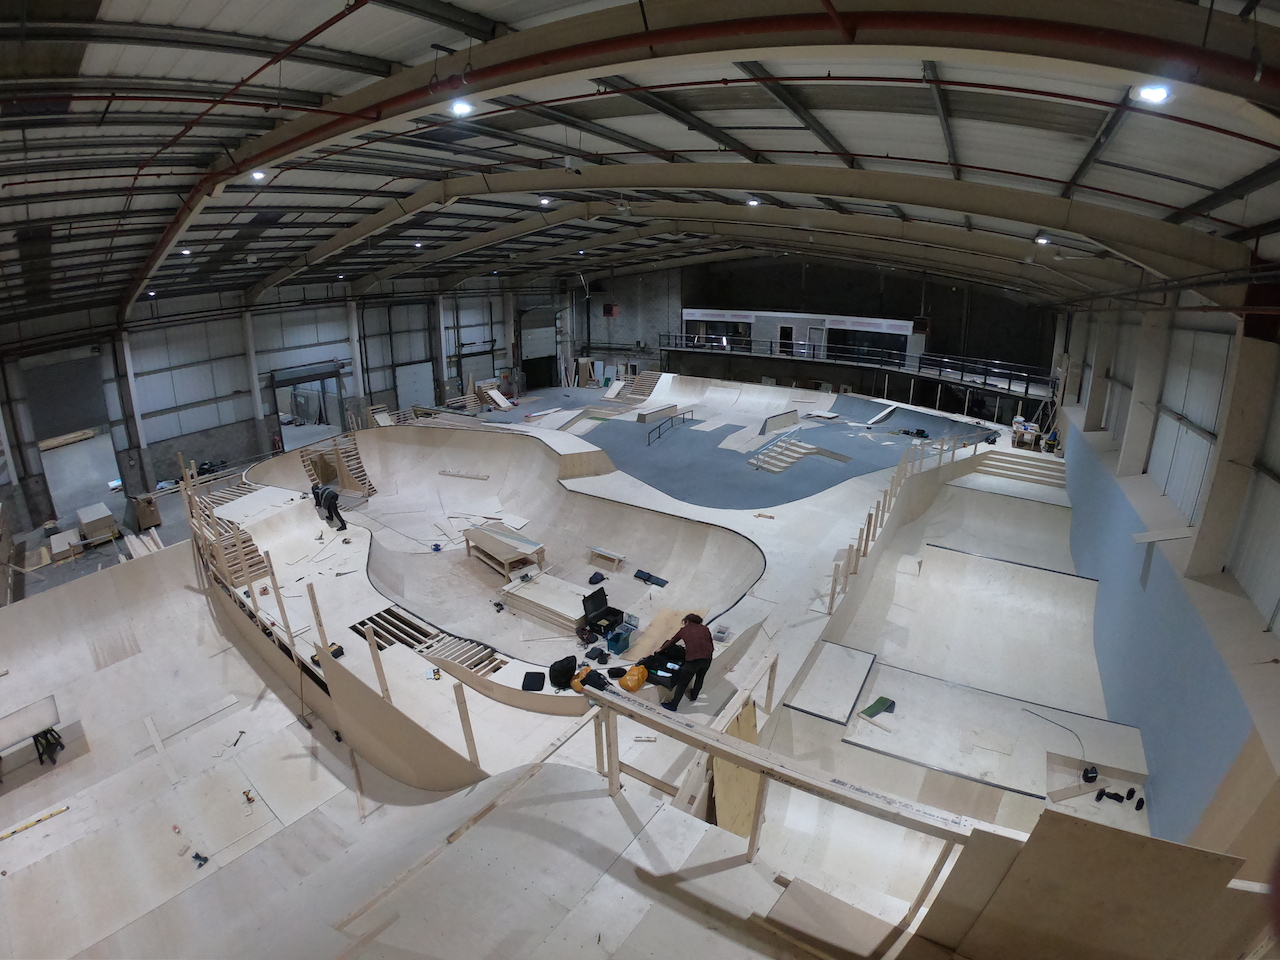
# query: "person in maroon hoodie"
698, 650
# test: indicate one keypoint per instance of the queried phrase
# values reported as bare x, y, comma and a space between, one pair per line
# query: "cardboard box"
96, 522
146, 512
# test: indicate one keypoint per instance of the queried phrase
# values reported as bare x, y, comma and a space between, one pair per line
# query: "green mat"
879, 706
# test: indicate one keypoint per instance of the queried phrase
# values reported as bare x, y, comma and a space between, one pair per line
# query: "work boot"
669, 706
341, 528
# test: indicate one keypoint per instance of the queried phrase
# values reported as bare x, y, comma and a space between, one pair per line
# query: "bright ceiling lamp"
1153, 93
186, 252
1042, 240
257, 175
461, 108
418, 243
753, 202
544, 201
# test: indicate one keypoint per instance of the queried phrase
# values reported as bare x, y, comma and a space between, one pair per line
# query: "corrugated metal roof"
1017, 122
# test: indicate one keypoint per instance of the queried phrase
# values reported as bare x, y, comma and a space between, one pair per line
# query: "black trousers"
334, 514
694, 670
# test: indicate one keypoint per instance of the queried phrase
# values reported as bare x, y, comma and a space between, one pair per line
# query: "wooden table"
503, 549
1026, 436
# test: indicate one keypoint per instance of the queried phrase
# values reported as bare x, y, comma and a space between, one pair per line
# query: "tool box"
598, 616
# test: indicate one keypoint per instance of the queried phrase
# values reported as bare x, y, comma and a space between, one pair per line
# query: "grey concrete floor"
173, 529
78, 475
299, 435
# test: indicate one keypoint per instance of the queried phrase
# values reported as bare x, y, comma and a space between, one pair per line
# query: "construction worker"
327, 497
698, 650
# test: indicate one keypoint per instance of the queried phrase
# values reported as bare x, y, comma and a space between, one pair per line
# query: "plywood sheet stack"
96, 523
548, 598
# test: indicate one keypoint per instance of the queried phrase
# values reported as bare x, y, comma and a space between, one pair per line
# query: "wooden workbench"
503, 549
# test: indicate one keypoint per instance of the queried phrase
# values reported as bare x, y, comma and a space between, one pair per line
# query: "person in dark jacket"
698, 651
327, 497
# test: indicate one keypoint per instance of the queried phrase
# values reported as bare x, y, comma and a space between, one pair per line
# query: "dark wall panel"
65, 397
965, 320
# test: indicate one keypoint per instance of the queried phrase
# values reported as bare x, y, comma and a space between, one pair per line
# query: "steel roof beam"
943, 111
776, 89
133, 118
663, 106
835, 229
188, 38
41, 89
587, 126
474, 25
525, 140
654, 228
1237, 190
1267, 229
1100, 141
1162, 247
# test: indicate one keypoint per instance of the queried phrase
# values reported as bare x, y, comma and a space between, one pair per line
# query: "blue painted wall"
1160, 669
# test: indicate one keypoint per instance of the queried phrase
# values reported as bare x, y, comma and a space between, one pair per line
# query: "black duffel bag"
561, 672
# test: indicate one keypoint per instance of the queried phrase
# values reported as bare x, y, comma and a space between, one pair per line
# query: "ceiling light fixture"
341, 275
753, 202
544, 201
461, 108
418, 243
151, 293
1043, 241
257, 174
186, 252
1154, 93
580, 252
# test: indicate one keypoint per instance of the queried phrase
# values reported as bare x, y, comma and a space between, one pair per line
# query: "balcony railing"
990, 374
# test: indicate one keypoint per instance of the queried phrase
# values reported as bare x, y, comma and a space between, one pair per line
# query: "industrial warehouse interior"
639, 479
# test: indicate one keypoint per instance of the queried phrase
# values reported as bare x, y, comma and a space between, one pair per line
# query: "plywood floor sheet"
833, 682
984, 736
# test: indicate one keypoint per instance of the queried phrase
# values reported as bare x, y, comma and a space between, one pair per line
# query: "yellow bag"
634, 679
576, 682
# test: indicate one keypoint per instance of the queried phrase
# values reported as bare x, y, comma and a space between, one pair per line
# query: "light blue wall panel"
1160, 670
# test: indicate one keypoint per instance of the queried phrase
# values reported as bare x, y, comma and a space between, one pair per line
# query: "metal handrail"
984, 373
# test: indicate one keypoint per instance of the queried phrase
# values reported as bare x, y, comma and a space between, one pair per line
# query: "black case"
598, 616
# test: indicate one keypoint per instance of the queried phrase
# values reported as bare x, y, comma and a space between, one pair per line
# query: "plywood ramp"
1082, 891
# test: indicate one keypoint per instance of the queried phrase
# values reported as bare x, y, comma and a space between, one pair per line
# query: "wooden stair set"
787, 452
1049, 471
641, 387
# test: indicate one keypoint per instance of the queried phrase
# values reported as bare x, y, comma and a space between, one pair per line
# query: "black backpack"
562, 671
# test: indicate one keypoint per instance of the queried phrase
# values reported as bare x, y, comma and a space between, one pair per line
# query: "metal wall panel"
1160, 461
1255, 556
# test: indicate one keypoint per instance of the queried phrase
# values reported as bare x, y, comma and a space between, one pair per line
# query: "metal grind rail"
657, 432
